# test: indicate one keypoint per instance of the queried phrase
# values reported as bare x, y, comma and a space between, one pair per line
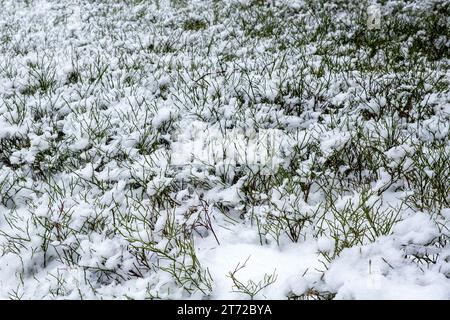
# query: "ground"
240, 149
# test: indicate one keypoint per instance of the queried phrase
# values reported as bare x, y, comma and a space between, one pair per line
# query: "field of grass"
240, 149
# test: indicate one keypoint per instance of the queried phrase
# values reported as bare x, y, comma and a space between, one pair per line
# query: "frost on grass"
224, 149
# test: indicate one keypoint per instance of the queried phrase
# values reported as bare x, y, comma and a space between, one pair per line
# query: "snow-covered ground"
224, 149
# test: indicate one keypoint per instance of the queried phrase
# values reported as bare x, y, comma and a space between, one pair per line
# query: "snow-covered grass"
224, 149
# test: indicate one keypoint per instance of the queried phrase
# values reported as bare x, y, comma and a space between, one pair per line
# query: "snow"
418, 229
325, 244
378, 272
241, 247
150, 151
